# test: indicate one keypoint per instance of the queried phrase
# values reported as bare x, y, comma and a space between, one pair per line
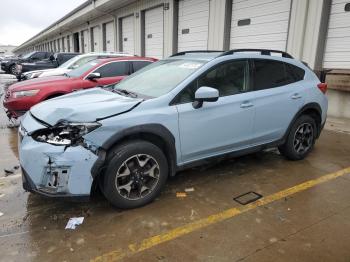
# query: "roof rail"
262, 52
196, 51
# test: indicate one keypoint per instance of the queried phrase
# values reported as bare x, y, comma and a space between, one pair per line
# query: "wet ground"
308, 223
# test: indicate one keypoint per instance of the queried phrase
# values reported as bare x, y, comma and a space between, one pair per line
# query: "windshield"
77, 61
159, 78
27, 55
82, 69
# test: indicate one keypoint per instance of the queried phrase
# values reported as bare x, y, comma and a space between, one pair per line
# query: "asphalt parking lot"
303, 214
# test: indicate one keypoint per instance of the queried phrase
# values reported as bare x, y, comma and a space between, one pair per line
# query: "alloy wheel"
303, 138
137, 176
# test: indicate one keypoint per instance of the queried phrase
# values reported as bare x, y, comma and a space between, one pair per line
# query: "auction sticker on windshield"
190, 65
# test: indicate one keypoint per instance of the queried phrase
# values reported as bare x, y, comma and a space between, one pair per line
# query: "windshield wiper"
66, 75
125, 92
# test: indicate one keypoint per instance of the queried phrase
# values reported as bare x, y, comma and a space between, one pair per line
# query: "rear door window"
269, 74
114, 69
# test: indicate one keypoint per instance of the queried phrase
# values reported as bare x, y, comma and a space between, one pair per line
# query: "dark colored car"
9, 65
20, 97
53, 61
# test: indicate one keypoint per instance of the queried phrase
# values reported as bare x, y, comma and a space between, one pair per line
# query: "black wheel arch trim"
152, 129
312, 106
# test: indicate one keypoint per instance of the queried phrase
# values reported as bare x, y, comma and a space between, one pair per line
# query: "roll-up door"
86, 41
64, 48
193, 25
337, 50
109, 40
260, 24
154, 32
96, 36
127, 35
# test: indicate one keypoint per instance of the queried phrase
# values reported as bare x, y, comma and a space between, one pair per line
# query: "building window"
347, 7
243, 22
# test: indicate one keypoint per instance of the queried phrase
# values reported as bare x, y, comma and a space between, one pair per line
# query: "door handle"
296, 96
246, 104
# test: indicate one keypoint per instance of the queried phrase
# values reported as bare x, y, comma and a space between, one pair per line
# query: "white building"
315, 31
6, 49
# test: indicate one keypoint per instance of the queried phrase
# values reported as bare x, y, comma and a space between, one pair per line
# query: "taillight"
322, 87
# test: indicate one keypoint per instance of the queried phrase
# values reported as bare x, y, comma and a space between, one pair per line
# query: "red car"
20, 97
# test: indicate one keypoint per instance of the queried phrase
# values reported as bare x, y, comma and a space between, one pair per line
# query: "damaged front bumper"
53, 170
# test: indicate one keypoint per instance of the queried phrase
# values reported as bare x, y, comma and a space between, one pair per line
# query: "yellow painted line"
213, 219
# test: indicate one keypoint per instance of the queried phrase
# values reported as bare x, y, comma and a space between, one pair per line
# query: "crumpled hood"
83, 106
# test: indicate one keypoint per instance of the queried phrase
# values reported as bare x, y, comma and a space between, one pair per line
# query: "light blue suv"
171, 115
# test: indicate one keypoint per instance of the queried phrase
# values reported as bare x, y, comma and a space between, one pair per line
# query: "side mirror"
205, 94
93, 76
52, 58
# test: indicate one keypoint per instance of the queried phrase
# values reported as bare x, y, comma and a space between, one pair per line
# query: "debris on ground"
1, 195
181, 194
190, 189
74, 222
1, 214
8, 171
11, 171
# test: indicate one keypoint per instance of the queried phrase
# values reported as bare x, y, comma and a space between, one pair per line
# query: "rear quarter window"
271, 74
296, 72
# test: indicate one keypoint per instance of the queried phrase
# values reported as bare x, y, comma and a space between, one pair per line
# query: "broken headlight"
64, 133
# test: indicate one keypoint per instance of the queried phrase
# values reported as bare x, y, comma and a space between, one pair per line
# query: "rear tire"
135, 175
12, 69
301, 138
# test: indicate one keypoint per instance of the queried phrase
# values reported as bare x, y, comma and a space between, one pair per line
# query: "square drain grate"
247, 198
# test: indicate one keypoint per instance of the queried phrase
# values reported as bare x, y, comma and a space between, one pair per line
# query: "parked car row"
54, 60
9, 64
128, 138
20, 97
69, 65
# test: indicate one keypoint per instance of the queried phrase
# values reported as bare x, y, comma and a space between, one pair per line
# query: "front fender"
157, 130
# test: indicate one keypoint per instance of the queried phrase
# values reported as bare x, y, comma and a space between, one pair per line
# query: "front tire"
301, 138
12, 69
135, 175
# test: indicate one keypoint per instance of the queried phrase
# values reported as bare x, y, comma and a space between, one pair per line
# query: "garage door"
86, 41
59, 45
154, 32
64, 44
69, 45
96, 36
127, 29
260, 24
193, 25
109, 36
337, 51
